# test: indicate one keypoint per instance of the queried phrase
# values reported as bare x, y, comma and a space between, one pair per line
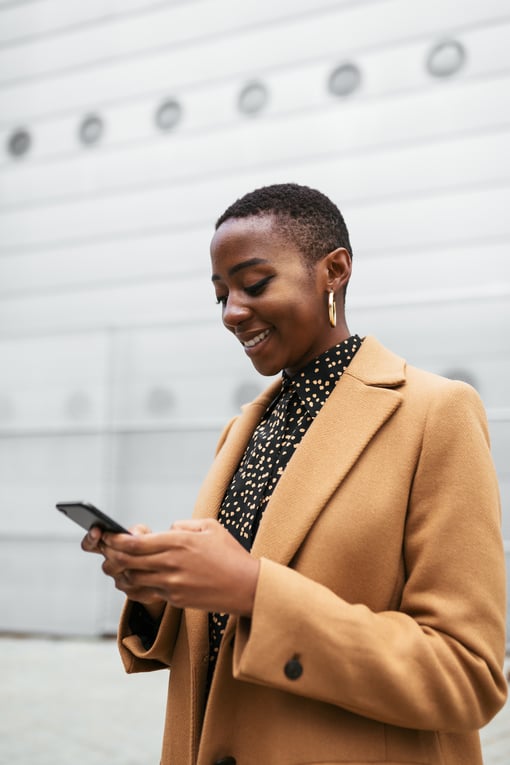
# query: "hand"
196, 564
93, 542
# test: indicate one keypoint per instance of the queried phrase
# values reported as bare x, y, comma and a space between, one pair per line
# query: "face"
270, 300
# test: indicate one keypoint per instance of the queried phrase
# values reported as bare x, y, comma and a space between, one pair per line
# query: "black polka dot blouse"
271, 446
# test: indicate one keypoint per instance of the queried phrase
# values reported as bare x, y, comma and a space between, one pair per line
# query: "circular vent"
168, 114
253, 98
446, 58
19, 142
344, 80
91, 130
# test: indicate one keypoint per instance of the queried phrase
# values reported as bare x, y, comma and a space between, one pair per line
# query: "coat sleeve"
436, 662
134, 656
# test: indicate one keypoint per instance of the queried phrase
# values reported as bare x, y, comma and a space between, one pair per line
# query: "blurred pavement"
69, 701
65, 701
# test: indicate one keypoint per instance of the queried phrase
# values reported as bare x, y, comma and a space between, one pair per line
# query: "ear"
337, 269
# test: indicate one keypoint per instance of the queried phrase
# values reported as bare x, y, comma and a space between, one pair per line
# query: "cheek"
308, 308
299, 303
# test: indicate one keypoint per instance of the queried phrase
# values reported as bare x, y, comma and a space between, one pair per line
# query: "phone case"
86, 516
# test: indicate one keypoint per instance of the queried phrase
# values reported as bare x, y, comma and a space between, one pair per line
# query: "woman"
339, 594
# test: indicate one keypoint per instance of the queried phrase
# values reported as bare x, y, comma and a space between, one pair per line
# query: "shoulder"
434, 385
374, 364
423, 393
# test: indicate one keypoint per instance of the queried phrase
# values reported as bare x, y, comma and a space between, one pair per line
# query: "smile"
257, 339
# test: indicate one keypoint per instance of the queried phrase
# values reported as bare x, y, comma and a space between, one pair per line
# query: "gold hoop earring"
332, 309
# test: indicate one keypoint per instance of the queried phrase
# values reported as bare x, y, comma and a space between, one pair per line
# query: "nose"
235, 312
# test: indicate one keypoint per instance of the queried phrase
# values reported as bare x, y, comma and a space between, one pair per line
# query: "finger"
127, 582
191, 524
120, 541
140, 529
122, 584
143, 595
115, 569
117, 562
145, 586
147, 544
92, 540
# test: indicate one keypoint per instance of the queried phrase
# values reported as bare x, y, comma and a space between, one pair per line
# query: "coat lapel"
363, 400
340, 433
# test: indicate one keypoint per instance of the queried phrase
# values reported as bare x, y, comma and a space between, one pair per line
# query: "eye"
221, 300
258, 287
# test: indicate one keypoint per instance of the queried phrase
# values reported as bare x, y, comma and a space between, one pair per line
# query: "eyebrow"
240, 266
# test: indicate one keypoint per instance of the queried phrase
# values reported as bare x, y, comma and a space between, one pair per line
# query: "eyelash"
252, 291
258, 287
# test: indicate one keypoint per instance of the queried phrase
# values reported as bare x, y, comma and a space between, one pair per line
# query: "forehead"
259, 230
255, 236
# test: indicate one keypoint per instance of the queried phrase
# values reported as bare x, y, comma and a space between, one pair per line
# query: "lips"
253, 341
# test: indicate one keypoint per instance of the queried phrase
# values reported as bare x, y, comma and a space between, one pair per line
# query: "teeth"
257, 339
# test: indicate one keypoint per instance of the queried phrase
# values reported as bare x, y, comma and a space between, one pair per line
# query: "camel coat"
377, 634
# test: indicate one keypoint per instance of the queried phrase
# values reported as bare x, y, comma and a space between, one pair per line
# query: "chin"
268, 370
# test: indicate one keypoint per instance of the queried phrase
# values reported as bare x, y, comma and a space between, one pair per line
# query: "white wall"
115, 373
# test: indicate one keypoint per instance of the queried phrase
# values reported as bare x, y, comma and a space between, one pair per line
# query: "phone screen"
86, 516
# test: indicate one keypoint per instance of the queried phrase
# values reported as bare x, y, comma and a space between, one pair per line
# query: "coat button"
226, 761
293, 669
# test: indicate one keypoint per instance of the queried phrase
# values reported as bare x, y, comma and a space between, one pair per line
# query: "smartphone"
86, 516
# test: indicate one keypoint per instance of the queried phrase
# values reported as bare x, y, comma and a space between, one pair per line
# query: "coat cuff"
136, 657
268, 648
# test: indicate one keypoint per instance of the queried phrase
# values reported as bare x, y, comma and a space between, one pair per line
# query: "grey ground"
69, 701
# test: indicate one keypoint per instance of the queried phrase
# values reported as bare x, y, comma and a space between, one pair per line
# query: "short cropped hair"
306, 217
